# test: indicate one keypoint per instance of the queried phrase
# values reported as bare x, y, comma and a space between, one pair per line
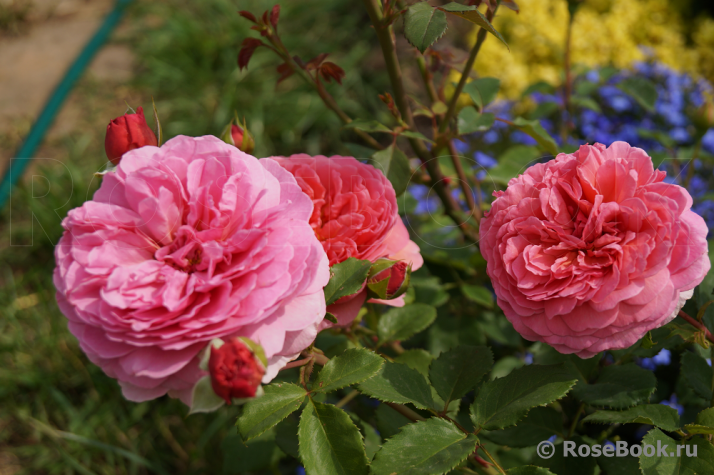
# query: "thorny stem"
468, 195
699, 326
321, 91
465, 74
295, 364
385, 36
568, 86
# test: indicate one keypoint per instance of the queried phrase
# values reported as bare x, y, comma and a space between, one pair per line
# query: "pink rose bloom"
591, 250
182, 244
354, 215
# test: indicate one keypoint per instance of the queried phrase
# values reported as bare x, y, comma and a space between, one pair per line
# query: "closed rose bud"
388, 279
239, 136
234, 370
126, 133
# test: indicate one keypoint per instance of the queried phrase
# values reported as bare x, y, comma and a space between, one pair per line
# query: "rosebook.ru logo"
546, 450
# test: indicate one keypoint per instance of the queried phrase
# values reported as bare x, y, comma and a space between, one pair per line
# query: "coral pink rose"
354, 215
591, 250
182, 244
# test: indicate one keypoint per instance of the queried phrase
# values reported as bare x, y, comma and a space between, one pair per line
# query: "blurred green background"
59, 413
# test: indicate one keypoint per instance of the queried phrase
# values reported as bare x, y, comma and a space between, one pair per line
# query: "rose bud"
126, 133
235, 370
388, 279
238, 136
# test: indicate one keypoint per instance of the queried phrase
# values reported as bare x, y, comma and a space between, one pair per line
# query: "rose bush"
591, 250
182, 244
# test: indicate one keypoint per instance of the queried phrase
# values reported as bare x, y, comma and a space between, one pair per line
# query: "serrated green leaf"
372, 439
459, 370
674, 463
470, 120
429, 447
395, 166
528, 470
346, 278
706, 417
658, 415
400, 323
415, 135
330, 443
512, 163
351, 367
539, 134
371, 126
698, 429
399, 383
474, 16
417, 359
479, 294
279, 401
330, 317
641, 90
540, 424
697, 374
483, 91
423, 25
503, 402
618, 387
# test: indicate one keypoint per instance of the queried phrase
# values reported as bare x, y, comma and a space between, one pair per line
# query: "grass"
59, 414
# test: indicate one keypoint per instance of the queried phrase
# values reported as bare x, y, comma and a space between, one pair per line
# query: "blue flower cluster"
663, 358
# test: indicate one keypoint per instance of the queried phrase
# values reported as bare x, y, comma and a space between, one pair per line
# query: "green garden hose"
24, 155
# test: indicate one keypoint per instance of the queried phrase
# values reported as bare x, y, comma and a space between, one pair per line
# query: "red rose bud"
235, 370
388, 279
238, 136
126, 133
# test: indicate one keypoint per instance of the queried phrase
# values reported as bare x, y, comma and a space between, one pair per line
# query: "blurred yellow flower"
605, 32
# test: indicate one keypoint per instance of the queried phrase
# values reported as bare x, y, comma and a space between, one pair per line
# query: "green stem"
699, 326
350, 396
568, 86
493, 461
468, 195
480, 38
711, 355
321, 91
405, 411
574, 424
385, 36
